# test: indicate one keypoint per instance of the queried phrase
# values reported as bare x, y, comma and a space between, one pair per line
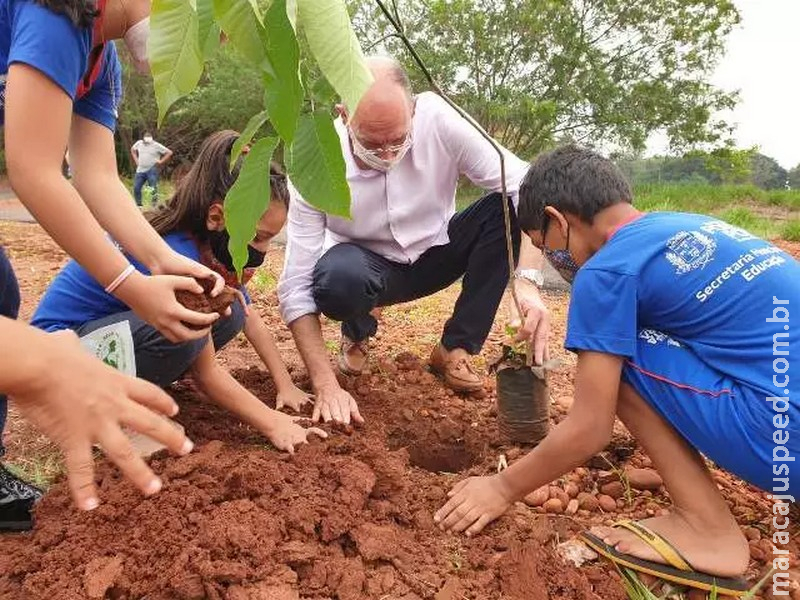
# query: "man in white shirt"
148, 155
404, 155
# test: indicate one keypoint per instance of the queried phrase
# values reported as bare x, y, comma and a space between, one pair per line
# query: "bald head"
384, 114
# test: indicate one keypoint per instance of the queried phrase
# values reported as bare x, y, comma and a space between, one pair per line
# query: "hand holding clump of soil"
205, 303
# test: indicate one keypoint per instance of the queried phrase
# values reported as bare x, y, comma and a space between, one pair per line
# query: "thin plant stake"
394, 20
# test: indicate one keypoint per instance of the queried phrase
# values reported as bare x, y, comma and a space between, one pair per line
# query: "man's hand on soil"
293, 398
335, 404
285, 434
535, 326
77, 401
473, 504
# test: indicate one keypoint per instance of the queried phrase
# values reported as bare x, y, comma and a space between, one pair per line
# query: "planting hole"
450, 457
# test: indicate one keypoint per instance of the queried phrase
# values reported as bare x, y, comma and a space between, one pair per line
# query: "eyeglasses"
377, 152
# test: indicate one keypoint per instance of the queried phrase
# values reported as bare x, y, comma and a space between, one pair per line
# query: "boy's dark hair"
80, 12
572, 180
207, 182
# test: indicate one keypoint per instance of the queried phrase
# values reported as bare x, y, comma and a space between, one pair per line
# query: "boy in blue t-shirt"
683, 328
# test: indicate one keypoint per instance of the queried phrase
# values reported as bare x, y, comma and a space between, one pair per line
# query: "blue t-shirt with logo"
74, 297
36, 36
709, 285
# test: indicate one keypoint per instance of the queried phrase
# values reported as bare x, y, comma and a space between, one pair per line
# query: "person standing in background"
148, 156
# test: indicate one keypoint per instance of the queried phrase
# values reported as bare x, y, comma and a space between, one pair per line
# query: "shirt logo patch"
690, 250
653, 337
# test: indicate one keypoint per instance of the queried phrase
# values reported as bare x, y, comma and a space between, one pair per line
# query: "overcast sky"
763, 62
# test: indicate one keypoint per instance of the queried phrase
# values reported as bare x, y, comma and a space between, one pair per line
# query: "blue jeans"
151, 178
9, 307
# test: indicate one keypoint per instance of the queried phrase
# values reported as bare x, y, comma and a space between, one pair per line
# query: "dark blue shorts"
9, 289
730, 423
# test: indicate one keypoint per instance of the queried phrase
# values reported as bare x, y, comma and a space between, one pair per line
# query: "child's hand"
293, 398
173, 263
285, 433
473, 504
76, 401
153, 299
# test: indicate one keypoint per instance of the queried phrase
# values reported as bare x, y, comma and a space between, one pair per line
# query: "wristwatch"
534, 276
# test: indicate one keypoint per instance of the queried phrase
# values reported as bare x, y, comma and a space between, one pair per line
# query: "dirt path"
347, 519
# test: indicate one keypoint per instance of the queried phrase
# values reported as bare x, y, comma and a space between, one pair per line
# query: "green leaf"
284, 96
207, 29
316, 166
248, 199
176, 59
335, 47
253, 125
241, 23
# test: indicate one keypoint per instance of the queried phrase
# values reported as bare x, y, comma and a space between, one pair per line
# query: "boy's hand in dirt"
293, 398
153, 299
473, 504
335, 404
76, 401
534, 325
285, 433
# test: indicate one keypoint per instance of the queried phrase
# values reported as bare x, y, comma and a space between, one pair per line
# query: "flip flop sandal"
677, 571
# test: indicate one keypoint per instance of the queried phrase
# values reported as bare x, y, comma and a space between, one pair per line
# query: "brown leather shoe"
353, 356
456, 369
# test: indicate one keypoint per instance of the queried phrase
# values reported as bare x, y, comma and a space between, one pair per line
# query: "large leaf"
253, 125
247, 200
207, 29
176, 59
284, 96
316, 167
242, 25
334, 45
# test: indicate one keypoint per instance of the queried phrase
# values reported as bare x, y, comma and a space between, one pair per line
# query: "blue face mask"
562, 261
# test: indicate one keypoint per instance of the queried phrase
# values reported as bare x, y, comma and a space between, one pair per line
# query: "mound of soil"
347, 519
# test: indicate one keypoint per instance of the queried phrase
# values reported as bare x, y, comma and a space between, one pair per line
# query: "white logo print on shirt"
690, 250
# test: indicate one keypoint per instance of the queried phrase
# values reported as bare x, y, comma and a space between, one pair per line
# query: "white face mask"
371, 158
147, 139
136, 41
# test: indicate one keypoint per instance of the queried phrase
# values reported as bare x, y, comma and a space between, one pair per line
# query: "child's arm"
257, 333
225, 391
477, 501
38, 124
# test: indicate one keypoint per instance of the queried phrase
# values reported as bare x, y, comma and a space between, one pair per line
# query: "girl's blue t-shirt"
49, 42
74, 298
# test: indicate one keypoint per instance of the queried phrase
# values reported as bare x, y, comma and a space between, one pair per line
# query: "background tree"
593, 71
794, 178
767, 173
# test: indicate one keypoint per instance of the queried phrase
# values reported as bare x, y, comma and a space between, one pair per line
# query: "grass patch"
636, 589
791, 231
40, 471
263, 281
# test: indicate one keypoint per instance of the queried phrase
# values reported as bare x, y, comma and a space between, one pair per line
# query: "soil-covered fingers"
119, 450
452, 512
79, 463
354, 412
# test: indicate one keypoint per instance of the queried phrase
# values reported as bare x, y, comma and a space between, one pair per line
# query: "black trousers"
349, 281
9, 307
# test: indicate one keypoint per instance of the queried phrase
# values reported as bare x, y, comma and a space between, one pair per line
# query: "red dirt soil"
346, 519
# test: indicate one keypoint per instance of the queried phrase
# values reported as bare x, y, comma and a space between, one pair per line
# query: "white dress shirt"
399, 214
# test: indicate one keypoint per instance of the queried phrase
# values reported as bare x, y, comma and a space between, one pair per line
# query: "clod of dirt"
100, 575
205, 303
643, 479
451, 457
